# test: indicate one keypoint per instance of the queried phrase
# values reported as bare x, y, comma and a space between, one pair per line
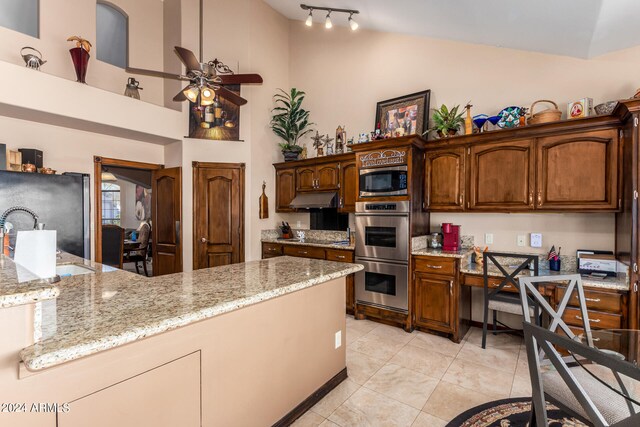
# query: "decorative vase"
80, 59
290, 155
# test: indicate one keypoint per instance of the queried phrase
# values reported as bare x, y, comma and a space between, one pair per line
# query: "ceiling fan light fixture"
191, 92
327, 22
309, 21
353, 24
207, 95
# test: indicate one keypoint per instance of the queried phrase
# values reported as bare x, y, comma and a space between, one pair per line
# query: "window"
110, 203
112, 34
20, 15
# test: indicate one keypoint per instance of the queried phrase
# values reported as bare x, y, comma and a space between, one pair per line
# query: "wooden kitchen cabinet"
578, 171
348, 184
285, 189
501, 176
328, 176
434, 299
306, 178
445, 176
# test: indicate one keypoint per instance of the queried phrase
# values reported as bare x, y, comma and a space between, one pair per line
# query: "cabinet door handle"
341, 202
460, 200
530, 198
302, 252
539, 198
451, 287
592, 299
436, 267
340, 256
590, 320
204, 240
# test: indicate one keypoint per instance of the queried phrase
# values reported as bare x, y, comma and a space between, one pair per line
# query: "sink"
67, 270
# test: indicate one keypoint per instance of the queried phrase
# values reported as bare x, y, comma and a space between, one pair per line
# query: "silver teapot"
32, 60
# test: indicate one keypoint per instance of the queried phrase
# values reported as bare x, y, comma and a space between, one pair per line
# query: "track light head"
309, 21
327, 22
353, 24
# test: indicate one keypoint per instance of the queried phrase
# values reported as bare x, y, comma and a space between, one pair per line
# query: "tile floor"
418, 379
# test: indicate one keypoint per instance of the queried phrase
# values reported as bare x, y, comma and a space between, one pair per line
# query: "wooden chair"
112, 245
139, 253
569, 386
496, 299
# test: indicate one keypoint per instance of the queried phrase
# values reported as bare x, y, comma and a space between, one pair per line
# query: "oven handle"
383, 168
404, 214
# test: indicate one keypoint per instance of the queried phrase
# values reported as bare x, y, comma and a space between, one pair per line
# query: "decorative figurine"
468, 123
80, 56
317, 144
341, 139
363, 138
349, 144
133, 88
327, 143
32, 60
303, 153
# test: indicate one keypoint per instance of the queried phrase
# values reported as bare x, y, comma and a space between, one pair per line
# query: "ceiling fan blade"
188, 58
154, 73
181, 96
230, 96
234, 79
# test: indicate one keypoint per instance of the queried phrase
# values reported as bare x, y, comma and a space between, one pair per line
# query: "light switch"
536, 240
488, 238
522, 240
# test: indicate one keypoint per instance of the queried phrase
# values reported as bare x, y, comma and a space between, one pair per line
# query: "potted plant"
446, 122
290, 122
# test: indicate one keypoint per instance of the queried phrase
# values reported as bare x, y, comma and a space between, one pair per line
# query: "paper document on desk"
36, 251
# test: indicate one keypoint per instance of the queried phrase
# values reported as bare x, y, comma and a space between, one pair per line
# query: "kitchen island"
244, 344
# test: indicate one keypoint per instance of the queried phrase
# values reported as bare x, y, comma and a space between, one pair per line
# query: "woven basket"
544, 116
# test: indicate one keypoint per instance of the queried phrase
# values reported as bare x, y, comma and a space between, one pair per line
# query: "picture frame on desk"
405, 115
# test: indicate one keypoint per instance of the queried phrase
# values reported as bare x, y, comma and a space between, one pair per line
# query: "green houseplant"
446, 122
290, 121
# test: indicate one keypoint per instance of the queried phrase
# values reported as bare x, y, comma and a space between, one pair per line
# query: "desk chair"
569, 385
496, 299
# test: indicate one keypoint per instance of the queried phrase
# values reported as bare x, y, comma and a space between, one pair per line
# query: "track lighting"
327, 22
353, 24
309, 21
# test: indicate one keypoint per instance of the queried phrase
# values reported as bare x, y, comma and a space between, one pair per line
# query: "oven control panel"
380, 207
383, 207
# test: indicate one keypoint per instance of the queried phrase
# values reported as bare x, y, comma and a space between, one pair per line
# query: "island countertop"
96, 312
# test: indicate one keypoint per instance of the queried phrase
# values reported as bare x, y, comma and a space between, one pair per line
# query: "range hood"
314, 200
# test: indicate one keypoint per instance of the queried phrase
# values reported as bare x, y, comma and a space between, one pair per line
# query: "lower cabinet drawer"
494, 282
597, 300
340, 256
444, 266
270, 250
304, 251
597, 319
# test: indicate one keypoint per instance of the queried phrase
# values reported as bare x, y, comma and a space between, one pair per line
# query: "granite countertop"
311, 242
96, 312
462, 253
619, 283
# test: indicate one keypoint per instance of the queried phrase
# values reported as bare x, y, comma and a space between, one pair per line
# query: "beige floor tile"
309, 419
383, 348
521, 386
328, 423
422, 360
335, 397
393, 332
479, 378
508, 341
403, 385
428, 420
499, 358
449, 400
522, 367
352, 335
364, 326
361, 367
436, 343
371, 409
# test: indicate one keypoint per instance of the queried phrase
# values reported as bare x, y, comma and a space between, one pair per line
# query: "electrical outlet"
298, 224
338, 339
521, 239
488, 238
536, 240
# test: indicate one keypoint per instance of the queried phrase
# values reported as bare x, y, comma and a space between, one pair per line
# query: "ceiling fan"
206, 79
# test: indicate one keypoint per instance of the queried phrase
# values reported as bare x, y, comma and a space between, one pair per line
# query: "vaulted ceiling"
579, 28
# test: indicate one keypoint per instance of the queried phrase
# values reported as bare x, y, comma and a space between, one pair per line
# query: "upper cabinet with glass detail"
20, 15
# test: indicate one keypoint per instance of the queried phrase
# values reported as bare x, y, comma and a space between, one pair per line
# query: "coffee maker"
451, 237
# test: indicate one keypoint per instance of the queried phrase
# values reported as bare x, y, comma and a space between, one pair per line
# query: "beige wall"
345, 73
60, 19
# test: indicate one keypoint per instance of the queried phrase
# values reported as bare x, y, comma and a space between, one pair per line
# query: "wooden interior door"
166, 229
578, 171
445, 180
285, 189
348, 190
501, 176
218, 214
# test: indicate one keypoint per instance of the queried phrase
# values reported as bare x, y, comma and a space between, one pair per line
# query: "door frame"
98, 163
197, 165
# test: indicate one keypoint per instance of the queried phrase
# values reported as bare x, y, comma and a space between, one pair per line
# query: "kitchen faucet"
3, 219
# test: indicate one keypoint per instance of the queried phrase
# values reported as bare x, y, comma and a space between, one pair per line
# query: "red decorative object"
80, 59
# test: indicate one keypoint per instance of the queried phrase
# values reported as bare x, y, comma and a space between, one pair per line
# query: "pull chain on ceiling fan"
206, 79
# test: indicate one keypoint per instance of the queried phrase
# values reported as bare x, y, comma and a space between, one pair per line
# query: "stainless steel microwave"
385, 181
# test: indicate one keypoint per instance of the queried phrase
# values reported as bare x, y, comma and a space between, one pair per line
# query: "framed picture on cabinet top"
405, 115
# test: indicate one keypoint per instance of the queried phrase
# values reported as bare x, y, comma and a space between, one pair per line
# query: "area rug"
510, 413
